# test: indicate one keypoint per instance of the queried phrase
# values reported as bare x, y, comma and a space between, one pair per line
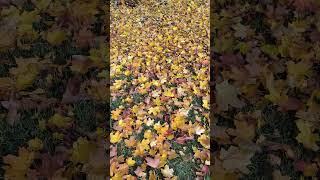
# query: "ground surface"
160, 90
53, 89
266, 71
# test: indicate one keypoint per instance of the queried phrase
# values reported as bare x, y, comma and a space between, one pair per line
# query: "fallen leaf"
153, 162
226, 95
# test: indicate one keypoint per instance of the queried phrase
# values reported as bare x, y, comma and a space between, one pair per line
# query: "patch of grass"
184, 169
65, 51
283, 122
12, 137
185, 148
191, 116
260, 168
224, 121
137, 97
116, 103
48, 140
4, 70
287, 167
122, 149
197, 101
85, 119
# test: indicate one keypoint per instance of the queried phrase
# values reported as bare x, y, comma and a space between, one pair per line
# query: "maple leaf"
17, 166
84, 38
275, 94
304, 5
242, 126
96, 165
152, 175
115, 137
139, 172
41, 4
8, 32
130, 161
13, 114
82, 149
154, 110
153, 162
80, 64
50, 164
227, 95
204, 141
168, 93
167, 172
56, 37
278, 176
221, 173
60, 121
306, 136
74, 92
183, 139
26, 72
236, 159
35, 144
98, 56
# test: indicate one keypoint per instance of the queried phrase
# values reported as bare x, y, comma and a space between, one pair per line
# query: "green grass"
85, 118
122, 149
184, 169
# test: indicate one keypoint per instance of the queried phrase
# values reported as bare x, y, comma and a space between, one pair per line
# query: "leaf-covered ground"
160, 90
53, 89
266, 107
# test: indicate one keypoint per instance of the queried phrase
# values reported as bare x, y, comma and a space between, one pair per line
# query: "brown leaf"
4, 3
290, 104
113, 151
12, 106
153, 162
80, 64
231, 60
84, 38
315, 36
73, 91
236, 159
183, 139
8, 32
304, 5
50, 164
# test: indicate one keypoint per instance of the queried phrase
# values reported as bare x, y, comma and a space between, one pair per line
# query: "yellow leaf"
204, 141
310, 170
56, 37
60, 121
177, 122
41, 4
131, 162
227, 95
154, 110
99, 56
17, 166
298, 69
167, 172
152, 175
35, 144
25, 80
82, 149
306, 136
205, 103
148, 134
115, 137
168, 93
58, 136
26, 72
115, 114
